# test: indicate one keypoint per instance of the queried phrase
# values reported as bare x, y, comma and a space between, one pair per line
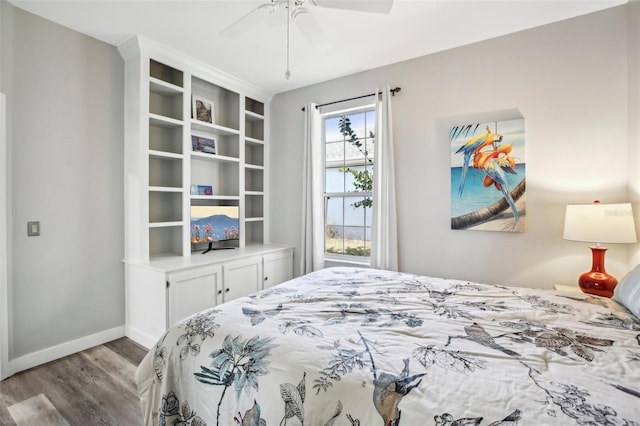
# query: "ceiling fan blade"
251, 20
373, 6
310, 28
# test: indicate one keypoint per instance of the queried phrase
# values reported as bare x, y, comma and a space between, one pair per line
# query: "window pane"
334, 154
350, 180
333, 241
334, 231
355, 243
335, 211
369, 145
358, 124
334, 179
354, 216
361, 182
355, 152
332, 130
371, 123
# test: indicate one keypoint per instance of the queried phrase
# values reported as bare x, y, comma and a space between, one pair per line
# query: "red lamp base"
597, 281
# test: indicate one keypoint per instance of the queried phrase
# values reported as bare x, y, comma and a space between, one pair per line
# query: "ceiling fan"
299, 11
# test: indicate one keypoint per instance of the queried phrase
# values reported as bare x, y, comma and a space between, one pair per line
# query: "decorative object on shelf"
488, 176
205, 190
203, 109
201, 144
599, 223
201, 190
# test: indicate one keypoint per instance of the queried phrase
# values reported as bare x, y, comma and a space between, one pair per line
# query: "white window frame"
334, 257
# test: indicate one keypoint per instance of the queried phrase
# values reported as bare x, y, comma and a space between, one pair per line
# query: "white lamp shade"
599, 223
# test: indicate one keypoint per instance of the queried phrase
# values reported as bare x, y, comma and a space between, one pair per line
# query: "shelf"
165, 138
254, 129
165, 239
165, 174
162, 121
252, 116
161, 72
253, 232
254, 107
163, 154
216, 197
213, 157
165, 206
253, 179
226, 102
165, 103
164, 189
254, 206
253, 141
254, 219
222, 176
164, 88
165, 224
214, 129
253, 166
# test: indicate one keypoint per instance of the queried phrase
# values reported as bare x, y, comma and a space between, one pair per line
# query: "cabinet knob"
227, 291
266, 278
219, 291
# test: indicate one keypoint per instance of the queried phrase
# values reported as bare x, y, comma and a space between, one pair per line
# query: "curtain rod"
393, 93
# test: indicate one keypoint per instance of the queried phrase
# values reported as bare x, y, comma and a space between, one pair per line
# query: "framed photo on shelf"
201, 144
201, 190
203, 109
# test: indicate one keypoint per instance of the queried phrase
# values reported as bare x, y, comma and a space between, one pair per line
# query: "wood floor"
92, 387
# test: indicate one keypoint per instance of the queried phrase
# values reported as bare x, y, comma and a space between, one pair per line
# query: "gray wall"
569, 80
65, 102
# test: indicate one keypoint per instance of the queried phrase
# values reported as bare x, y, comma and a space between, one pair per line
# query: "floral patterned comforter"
347, 347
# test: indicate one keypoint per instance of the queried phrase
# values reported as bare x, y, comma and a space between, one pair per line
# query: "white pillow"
627, 292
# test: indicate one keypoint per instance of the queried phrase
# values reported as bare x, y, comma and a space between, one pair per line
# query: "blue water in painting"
475, 195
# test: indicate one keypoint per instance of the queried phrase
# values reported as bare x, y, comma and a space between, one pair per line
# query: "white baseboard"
140, 337
55, 352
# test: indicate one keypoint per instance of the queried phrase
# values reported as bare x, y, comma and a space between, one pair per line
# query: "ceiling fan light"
299, 11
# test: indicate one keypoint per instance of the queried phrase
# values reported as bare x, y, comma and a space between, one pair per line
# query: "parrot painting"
495, 168
472, 147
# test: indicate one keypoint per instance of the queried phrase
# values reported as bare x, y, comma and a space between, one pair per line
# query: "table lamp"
599, 223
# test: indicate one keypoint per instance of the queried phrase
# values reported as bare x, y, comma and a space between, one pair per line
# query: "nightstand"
567, 288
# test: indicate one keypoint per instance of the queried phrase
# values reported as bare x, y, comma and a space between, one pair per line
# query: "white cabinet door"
242, 278
192, 291
278, 268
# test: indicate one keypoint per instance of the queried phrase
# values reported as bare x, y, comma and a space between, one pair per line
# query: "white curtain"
384, 231
312, 244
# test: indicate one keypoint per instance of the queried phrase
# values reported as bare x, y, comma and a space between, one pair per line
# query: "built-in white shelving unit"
161, 165
162, 263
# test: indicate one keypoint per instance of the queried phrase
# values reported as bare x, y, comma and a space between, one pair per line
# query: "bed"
350, 346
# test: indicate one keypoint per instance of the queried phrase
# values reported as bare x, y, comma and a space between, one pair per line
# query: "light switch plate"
33, 229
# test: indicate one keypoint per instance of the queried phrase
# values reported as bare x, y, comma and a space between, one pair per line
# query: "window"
348, 138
